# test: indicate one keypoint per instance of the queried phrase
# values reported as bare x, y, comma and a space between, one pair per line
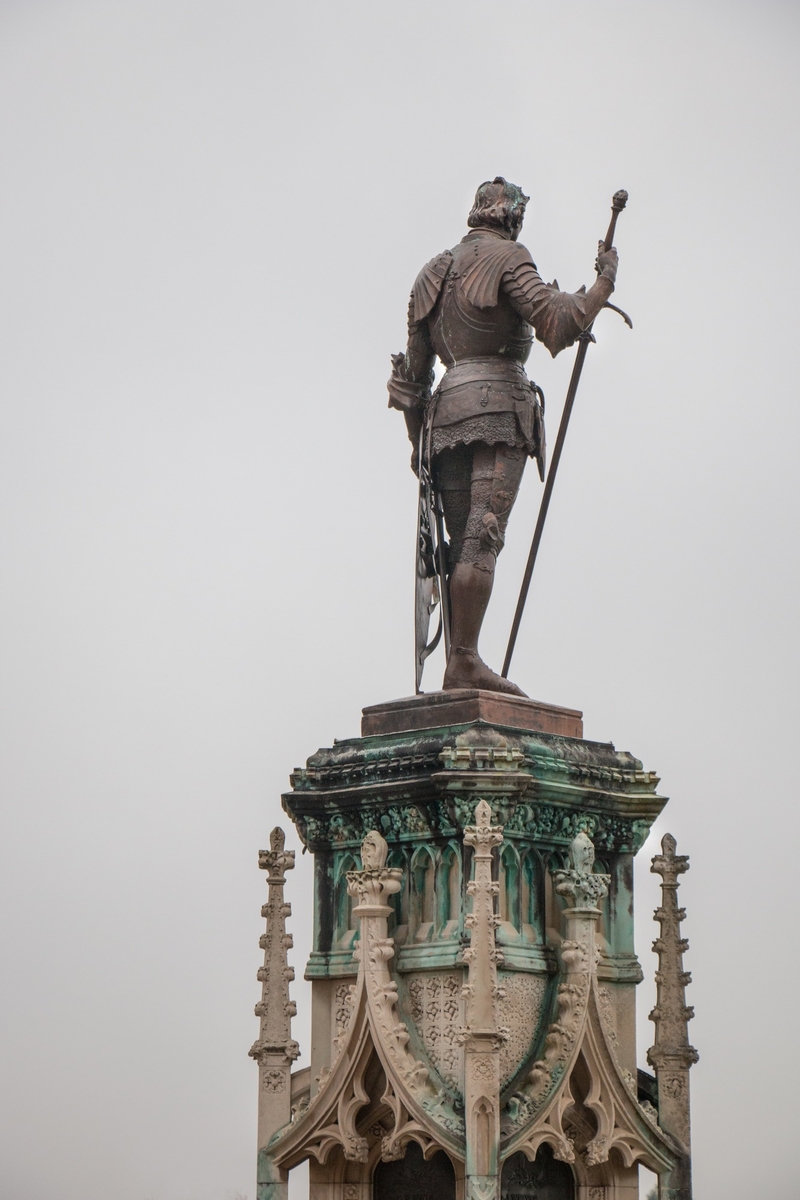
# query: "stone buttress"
473, 968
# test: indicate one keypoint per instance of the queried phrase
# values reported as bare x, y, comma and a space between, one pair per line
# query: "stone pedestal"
473, 965
464, 706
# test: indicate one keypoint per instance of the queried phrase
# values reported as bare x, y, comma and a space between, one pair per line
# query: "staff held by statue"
620, 199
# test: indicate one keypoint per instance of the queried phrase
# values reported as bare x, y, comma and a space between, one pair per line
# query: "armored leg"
478, 484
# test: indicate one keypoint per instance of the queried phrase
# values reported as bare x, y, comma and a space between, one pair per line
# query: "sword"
431, 568
618, 202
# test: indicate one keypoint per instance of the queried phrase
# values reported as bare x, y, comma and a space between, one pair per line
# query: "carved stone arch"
606, 1175
415, 1176
581, 1122
449, 905
509, 898
388, 1129
329, 1127
422, 908
541, 1178
622, 1125
345, 931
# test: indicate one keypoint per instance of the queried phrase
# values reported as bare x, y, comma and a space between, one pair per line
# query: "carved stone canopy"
469, 1011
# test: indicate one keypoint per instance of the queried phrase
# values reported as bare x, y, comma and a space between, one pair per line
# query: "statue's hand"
607, 262
399, 366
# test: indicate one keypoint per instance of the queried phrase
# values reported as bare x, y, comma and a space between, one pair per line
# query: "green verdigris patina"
419, 789
473, 967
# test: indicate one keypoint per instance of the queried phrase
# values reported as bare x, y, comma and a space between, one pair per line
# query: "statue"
477, 307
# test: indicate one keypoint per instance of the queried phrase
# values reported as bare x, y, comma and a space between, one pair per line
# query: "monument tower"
473, 967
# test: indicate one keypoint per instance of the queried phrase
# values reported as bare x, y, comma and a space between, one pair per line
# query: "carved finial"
672, 1055
581, 854
668, 864
374, 851
483, 814
376, 882
483, 835
277, 861
579, 884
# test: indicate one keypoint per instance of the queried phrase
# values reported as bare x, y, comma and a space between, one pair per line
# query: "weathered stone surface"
672, 1056
275, 1048
473, 960
399, 784
419, 790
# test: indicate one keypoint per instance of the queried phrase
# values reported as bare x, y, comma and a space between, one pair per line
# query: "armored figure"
477, 307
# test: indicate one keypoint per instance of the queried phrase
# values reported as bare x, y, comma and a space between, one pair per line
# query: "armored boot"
470, 589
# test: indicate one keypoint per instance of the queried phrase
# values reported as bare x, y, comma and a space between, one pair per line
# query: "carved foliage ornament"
538, 822
579, 884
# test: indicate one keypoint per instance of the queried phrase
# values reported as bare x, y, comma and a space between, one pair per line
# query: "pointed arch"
593, 1109
448, 892
543, 1179
422, 909
553, 903
604, 930
509, 894
415, 1174
345, 932
532, 878
400, 901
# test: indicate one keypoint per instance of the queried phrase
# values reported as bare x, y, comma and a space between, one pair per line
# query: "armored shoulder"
484, 263
428, 285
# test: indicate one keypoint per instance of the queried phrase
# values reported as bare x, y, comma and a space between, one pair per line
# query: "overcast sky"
212, 213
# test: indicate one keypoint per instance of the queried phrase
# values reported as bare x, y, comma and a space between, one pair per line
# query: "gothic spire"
672, 1055
275, 1049
483, 1036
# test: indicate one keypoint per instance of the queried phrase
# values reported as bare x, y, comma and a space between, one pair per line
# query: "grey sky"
211, 217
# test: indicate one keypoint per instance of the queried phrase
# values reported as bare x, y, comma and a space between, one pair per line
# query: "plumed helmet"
498, 204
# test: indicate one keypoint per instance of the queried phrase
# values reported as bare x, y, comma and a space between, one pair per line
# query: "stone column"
672, 1056
483, 1036
275, 1050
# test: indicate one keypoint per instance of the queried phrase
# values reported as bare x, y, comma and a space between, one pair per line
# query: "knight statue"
477, 308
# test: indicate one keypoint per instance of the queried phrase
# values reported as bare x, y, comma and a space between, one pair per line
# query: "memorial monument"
473, 968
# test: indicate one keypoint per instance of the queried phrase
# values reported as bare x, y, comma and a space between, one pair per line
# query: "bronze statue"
477, 307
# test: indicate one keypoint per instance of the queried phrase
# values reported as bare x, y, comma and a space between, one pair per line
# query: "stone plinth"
462, 706
470, 953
